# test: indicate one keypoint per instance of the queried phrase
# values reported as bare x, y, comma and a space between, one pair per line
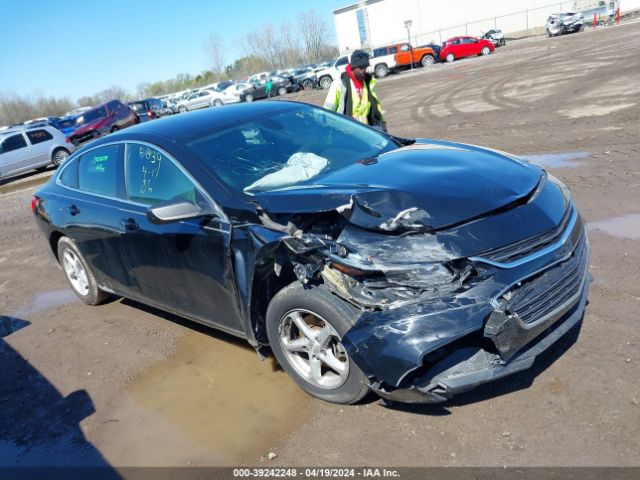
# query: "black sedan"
413, 268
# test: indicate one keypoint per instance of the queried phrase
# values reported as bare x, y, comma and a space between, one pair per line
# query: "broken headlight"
425, 275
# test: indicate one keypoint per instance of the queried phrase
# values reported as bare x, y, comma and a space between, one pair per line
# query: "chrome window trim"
218, 210
540, 253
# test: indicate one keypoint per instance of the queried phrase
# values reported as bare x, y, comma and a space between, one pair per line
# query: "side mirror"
173, 212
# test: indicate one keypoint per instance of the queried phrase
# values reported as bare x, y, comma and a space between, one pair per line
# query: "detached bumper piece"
532, 317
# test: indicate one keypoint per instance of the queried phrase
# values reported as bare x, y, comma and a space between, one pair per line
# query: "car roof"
26, 128
187, 124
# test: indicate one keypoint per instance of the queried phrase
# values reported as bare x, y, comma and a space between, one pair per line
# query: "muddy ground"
123, 384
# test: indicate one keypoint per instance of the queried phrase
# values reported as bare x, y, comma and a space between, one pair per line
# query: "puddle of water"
556, 160
45, 300
624, 226
228, 401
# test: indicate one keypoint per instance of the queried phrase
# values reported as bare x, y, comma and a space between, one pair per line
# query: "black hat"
359, 59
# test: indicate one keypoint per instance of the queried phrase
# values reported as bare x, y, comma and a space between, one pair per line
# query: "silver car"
200, 99
24, 149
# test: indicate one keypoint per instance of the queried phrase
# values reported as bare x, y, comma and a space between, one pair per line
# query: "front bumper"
468, 368
427, 352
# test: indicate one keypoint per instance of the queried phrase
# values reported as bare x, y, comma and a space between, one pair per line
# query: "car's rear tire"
182, 109
427, 60
217, 102
305, 328
79, 274
307, 84
381, 70
248, 98
114, 129
325, 82
59, 156
282, 91
450, 57
485, 51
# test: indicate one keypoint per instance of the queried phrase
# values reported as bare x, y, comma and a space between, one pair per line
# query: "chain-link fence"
521, 22
515, 25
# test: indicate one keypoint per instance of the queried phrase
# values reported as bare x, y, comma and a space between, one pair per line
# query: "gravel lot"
123, 384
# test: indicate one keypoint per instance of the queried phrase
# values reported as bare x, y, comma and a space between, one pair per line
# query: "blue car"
413, 268
68, 124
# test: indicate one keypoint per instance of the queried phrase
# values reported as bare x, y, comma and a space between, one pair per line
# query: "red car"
460, 47
102, 120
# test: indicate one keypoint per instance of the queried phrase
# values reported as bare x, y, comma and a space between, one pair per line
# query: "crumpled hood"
427, 185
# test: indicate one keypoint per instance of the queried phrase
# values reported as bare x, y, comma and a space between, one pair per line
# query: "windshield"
286, 148
91, 115
137, 106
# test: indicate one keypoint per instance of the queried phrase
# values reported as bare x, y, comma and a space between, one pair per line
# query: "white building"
372, 23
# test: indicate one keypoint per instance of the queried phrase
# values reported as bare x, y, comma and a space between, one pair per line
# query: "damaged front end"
444, 305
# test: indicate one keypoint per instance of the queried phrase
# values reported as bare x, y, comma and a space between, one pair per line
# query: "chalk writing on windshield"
151, 161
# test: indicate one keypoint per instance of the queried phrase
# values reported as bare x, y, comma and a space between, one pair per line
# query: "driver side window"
152, 178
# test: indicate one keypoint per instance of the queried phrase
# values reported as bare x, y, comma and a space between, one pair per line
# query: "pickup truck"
328, 74
402, 55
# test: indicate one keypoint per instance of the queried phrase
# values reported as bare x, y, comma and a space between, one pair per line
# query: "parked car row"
390, 58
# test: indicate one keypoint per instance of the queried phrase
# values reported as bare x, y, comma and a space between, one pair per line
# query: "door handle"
73, 210
130, 225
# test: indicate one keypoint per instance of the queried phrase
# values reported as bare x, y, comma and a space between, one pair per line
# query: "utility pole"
407, 25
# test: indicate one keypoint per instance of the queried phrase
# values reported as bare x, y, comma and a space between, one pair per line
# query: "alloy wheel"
313, 348
76, 273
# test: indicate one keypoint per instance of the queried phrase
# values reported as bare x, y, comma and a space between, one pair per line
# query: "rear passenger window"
152, 178
39, 136
13, 143
98, 170
69, 175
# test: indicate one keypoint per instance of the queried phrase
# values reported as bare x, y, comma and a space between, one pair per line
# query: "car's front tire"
248, 98
182, 109
282, 91
305, 328
79, 274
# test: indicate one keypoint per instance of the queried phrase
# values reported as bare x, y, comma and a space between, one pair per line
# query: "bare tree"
314, 32
15, 108
214, 49
290, 53
263, 43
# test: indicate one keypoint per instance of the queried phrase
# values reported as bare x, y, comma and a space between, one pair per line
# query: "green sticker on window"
98, 163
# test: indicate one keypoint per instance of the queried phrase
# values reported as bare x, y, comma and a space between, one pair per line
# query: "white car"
23, 149
259, 77
231, 94
329, 74
200, 99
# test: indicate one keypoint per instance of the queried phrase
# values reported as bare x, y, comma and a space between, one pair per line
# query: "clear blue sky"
76, 48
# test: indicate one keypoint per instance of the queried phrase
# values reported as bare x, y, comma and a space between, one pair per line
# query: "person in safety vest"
354, 94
